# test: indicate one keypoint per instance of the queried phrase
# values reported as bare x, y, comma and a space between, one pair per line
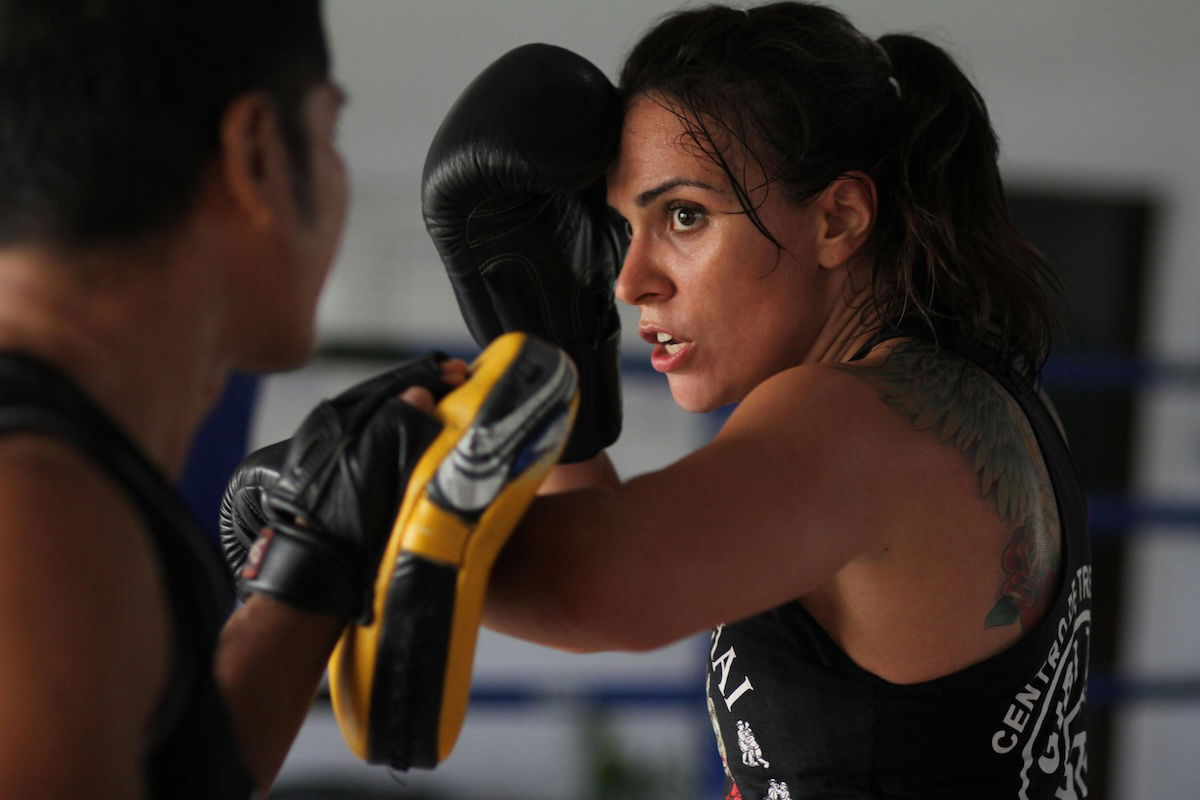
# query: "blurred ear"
847, 212
253, 159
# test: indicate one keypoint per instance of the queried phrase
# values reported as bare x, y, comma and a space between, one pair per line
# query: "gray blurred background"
1097, 109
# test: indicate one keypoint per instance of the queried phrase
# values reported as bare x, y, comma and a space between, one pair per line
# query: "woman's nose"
641, 280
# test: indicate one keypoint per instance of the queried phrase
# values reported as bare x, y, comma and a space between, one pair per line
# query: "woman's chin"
697, 399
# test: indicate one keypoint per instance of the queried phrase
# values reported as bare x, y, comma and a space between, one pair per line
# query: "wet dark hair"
110, 109
793, 92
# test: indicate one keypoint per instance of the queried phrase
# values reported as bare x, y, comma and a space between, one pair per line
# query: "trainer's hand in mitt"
305, 520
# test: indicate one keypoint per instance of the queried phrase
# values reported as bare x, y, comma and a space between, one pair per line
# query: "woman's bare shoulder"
958, 473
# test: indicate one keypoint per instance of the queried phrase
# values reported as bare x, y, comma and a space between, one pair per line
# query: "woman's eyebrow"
645, 198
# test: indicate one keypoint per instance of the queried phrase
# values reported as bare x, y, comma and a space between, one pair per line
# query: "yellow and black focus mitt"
400, 683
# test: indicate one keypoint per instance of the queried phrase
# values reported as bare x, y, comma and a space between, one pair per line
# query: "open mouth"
670, 344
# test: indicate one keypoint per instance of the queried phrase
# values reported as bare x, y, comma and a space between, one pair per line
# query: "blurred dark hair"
795, 90
110, 109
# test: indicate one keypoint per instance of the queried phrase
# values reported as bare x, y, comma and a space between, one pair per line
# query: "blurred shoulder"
45, 482
84, 630
75, 555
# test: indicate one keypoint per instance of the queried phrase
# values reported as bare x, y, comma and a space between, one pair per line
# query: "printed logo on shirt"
778, 790
747, 743
752, 755
1043, 725
722, 665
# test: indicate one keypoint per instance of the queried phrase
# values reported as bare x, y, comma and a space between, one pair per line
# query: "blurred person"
171, 199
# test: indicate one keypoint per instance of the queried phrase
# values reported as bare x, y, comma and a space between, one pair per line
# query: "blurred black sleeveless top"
192, 754
795, 717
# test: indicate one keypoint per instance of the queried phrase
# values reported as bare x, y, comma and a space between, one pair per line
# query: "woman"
886, 537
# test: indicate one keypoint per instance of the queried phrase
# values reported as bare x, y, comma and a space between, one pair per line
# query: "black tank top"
795, 717
192, 754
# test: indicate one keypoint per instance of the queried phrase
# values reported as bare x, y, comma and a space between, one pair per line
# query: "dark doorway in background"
1100, 245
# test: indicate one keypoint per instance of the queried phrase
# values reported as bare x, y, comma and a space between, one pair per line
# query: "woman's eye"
685, 218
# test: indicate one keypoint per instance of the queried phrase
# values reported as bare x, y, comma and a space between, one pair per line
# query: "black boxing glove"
513, 195
329, 494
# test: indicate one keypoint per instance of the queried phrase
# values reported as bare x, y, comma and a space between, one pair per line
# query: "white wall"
1084, 93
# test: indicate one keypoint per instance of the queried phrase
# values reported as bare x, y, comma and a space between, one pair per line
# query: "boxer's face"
313, 232
328, 174
733, 308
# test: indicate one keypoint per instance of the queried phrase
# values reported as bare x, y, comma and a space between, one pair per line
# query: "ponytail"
946, 250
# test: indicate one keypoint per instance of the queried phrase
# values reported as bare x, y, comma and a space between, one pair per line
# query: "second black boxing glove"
241, 516
513, 195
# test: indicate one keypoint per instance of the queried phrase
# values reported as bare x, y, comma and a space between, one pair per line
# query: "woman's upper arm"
766, 512
82, 635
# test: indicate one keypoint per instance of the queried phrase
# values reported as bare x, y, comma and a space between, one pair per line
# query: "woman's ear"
847, 213
253, 161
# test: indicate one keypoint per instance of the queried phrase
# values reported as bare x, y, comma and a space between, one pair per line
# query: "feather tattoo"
965, 408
